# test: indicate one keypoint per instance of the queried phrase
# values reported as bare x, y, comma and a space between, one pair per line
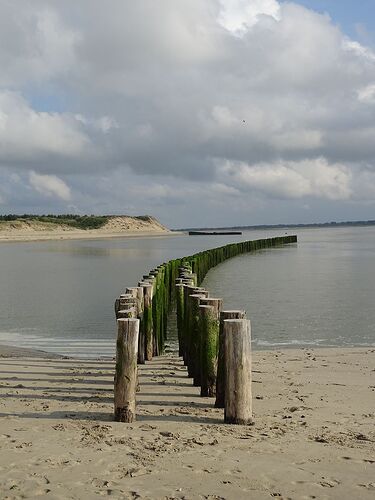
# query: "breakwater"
199, 323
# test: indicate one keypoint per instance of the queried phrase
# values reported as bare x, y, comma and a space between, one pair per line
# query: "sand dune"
117, 226
313, 435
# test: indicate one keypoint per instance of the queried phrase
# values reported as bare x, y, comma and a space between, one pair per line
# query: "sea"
58, 296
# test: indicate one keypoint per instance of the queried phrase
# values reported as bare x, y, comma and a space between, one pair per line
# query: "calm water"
58, 296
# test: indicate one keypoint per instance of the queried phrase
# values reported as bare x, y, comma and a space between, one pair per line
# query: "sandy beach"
81, 235
116, 227
313, 435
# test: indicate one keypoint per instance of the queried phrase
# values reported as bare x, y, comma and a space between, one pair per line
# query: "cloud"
367, 94
238, 16
50, 185
27, 135
164, 95
35, 44
291, 180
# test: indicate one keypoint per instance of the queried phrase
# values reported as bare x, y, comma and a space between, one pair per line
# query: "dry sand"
314, 434
116, 227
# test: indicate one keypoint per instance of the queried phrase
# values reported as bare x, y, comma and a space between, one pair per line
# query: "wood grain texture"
238, 398
126, 370
220, 380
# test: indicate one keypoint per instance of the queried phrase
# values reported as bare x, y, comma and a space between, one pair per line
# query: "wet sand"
314, 433
81, 235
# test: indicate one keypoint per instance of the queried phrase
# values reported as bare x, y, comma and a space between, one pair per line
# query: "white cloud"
238, 16
173, 90
27, 135
367, 94
35, 43
50, 185
290, 180
358, 49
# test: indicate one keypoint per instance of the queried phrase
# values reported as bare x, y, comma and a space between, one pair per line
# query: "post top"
131, 320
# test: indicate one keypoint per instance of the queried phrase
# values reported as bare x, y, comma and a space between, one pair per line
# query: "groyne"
215, 344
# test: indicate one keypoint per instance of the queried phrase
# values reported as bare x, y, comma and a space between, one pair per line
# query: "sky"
199, 112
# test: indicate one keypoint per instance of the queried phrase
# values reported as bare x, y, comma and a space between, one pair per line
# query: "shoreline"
10, 351
313, 434
83, 235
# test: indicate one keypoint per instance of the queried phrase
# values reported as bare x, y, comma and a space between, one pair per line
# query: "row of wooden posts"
216, 348
215, 344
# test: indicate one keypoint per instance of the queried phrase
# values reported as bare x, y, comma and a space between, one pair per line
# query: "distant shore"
44, 228
313, 435
81, 235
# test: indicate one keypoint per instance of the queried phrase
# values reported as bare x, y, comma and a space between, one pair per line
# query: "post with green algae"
217, 304
137, 293
187, 328
189, 271
209, 331
180, 316
194, 367
126, 370
238, 398
220, 380
147, 320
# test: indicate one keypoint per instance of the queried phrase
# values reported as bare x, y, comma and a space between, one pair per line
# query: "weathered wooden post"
127, 313
209, 336
147, 320
189, 290
180, 316
220, 381
137, 293
194, 364
216, 303
126, 370
237, 342
127, 300
117, 306
218, 306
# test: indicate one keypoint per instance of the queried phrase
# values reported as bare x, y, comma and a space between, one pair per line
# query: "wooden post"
194, 366
147, 321
126, 301
220, 381
216, 303
117, 306
127, 313
209, 331
189, 290
237, 342
141, 338
126, 370
180, 316
137, 293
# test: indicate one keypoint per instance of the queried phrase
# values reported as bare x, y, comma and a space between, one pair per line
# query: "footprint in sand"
329, 483
368, 486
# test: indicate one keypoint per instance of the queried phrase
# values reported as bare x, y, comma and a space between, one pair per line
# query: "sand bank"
313, 436
82, 235
116, 227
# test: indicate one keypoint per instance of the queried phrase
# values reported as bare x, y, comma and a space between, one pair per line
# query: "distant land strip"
284, 226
